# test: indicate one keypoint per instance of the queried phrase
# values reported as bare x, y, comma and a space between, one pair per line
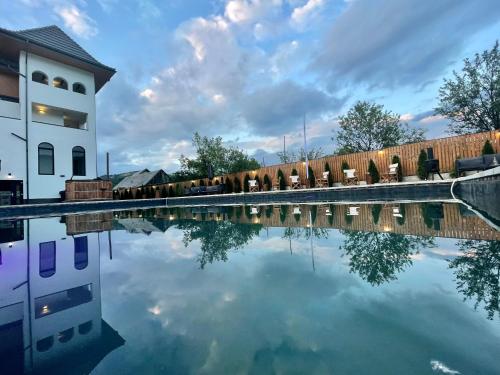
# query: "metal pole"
305, 148
107, 166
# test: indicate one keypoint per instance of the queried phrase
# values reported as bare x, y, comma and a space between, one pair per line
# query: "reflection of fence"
447, 150
435, 220
98, 222
82, 190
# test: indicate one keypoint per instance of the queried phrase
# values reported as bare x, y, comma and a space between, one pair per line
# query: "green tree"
211, 151
237, 185
471, 98
343, 167
228, 186
487, 149
281, 178
267, 183
292, 156
312, 178
164, 193
368, 127
379, 257
376, 209
246, 188
373, 171
330, 175
422, 158
477, 273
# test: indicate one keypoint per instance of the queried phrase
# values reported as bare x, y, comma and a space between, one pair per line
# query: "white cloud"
302, 14
77, 21
242, 11
442, 368
431, 119
406, 117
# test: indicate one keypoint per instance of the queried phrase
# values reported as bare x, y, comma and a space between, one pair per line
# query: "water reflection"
278, 302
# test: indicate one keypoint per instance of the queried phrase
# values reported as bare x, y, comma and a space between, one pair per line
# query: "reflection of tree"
378, 257
217, 237
297, 233
477, 273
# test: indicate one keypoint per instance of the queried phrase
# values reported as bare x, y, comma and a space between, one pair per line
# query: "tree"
477, 273
228, 186
223, 160
368, 127
267, 183
421, 171
312, 178
237, 185
471, 98
281, 179
330, 176
164, 193
373, 171
487, 149
292, 156
246, 179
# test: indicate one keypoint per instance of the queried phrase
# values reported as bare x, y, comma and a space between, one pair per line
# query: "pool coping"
401, 191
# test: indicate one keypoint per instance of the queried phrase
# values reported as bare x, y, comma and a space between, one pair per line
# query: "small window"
45, 344
60, 83
85, 328
79, 88
78, 161
45, 159
81, 253
40, 77
47, 259
66, 335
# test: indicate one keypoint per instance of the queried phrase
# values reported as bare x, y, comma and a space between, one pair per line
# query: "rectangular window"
62, 300
81, 252
45, 161
47, 258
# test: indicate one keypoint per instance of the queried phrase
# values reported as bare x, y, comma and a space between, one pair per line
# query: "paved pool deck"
437, 190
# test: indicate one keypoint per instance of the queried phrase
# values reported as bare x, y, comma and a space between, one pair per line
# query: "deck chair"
350, 177
353, 211
295, 182
254, 210
253, 186
276, 185
323, 181
296, 210
392, 174
396, 212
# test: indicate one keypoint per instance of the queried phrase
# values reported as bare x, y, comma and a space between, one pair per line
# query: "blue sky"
248, 70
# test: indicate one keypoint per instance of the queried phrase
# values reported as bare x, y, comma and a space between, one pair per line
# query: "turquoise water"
251, 291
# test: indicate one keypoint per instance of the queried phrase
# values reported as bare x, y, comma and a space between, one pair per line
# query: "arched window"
47, 266
45, 344
60, 83
66, 335
85, 328
40, 77
45, 159
78, 161
79, 88
81, 253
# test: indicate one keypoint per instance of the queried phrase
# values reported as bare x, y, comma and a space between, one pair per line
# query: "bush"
396, 159
373, 171
487, 149
376, 209
258, 181
330, 217
178, 190
312, 179
281, 178
330, 176
421, 172
202, 182
454, 172
267, 183
294, 172
229, 186
171, 192
402, 211
163, 193
239, 211
246, 189
237, 185
138, 194
343, 167
283, 213
314, 213
269, 211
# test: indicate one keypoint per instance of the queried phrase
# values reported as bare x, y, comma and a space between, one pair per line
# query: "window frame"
64, 83
40, 147
41, 82
84, 92
81, 150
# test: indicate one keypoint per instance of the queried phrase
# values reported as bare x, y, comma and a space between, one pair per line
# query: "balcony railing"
9, 107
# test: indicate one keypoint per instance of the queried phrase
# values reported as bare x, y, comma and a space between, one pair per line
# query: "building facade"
48, 85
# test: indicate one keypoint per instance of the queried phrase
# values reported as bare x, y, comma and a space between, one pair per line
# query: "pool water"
326, 289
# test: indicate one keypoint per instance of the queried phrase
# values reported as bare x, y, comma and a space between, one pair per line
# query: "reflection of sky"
267, 311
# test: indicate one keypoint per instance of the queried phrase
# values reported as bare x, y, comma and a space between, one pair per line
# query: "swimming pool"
394, 288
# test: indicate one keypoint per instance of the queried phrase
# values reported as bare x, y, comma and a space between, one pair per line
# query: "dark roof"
138, 179
52, 38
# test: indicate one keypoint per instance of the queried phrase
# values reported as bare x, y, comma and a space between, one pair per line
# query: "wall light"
10, 175
387, 229
381, 152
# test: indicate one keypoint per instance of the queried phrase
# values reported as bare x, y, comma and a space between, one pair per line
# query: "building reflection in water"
50, 301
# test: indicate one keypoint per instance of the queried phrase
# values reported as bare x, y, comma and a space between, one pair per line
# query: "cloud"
394, 43
77, 21
302, 14
245, 11
442, 368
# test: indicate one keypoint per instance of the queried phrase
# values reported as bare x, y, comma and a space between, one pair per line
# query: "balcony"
49, 115
9, 107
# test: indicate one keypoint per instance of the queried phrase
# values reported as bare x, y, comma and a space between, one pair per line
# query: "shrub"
312, 179
248, 213
192, 184
209, 182
402, 211
138, 194
314, 213
163, 193
258, 181
294, 172
230, 211
267, 183
421, 172
171, 192
239, 211
343, 166
281, 178
454, 172
229, 186
237, 185
330, 176
269, 211
245, 183
376, 209
216, 182
330, 217
373, 171
487, 148
283, 212
396, 159
202, 182
178, 190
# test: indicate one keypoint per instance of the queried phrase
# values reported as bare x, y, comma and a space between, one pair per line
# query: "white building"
50, 299
48, 85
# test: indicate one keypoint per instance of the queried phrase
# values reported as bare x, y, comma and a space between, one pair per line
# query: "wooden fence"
447, 150
83, 190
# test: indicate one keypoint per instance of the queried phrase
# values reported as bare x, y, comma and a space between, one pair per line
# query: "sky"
250, 70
